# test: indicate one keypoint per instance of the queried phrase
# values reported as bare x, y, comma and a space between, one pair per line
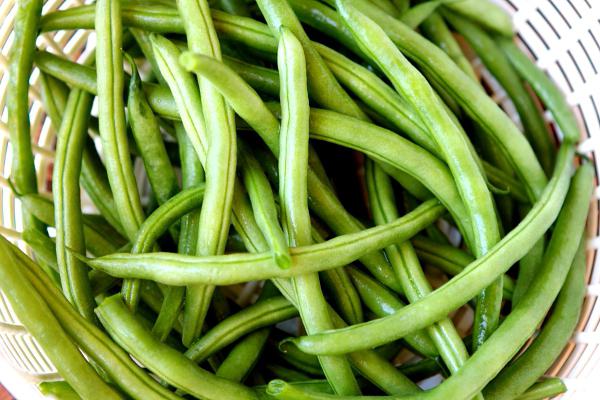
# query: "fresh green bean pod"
40, 322
550, 95
27, 19
498, 64
67, 203
262, 314
235, 7
161, 359
243, 356
289, 374
382, 302
406, 265
547, 346
547, 388
174, 269
149, 141
295, 217
485, 13
221, 158
111, 116
44, 250
263, 204
462, 287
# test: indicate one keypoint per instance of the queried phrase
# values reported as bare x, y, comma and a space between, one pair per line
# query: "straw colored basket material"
563, 36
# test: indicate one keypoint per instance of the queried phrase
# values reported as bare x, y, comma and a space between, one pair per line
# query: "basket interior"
562, 36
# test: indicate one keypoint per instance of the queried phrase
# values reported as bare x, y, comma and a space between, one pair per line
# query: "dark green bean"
485, 13
462, 287
39, 320
289, 374
555, 333
498, 64
382, 302
149, 140
235, 7
161, 359
550, 95
262, 314
243, 356
67, 203
27, 19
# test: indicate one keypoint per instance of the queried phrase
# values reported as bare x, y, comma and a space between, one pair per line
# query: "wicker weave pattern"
563, 36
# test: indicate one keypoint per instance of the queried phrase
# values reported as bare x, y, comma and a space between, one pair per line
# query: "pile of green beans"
310, 165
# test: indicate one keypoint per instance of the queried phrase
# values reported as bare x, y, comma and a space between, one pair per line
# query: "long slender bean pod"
555, 333
36, 316
295, 217
498, 64
25, 30
406, 265
485, 13
149, 141
220, 164
111, 116
243, 356
459, 289
550, 95
164, 361
67, 204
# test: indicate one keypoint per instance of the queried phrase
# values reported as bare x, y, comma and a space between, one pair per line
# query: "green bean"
343, 294
414, 16
263, 204
111, 116
166, 215
555, 333
148, 138
385, 5
27, 19
452, 260
522, 321
67, 207
96, 242
323, 87
39, 320
262, 314
382, 302
436, 30
295, 217
528, 266
550, 95
420, 370
439, 68
498, 177
545, 389
164, 361
485, 13
243, 356
406, 265
93, 175
304, 362
220, 164
59, 390
459, 289
498, 64
174, 269
94, 342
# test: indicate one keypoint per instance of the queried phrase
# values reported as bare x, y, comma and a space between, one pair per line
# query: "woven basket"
563, 36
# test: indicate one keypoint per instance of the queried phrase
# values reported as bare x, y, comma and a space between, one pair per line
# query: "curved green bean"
39, 320
550, 95
243, 356
555, 333
27, 19
67, 203
259, 315
414, 16
459, 289
161, 359
485, 13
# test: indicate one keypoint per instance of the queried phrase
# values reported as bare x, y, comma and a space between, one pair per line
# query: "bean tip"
283, 260
276, 387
